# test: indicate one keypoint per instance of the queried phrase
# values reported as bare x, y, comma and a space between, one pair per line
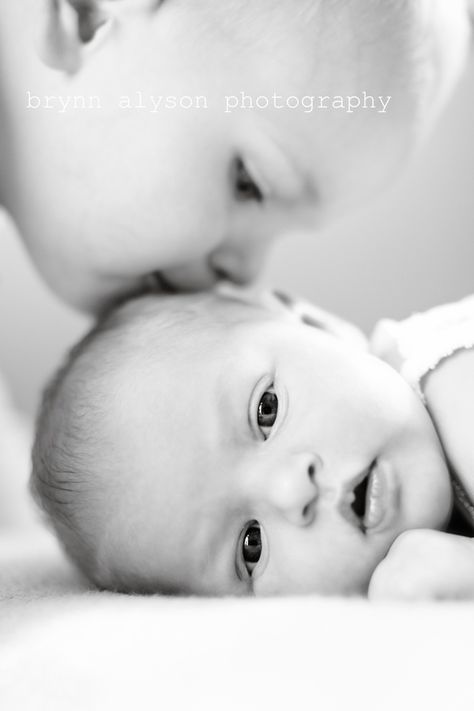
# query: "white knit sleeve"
418, 344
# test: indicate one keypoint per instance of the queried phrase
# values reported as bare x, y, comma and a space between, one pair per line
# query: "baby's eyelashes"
267, 412
263, 409
251, 551
252, 546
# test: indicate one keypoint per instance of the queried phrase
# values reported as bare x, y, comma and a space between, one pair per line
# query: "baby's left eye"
267, 412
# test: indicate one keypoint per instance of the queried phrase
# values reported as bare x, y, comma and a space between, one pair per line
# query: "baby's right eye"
246, 188
251, 546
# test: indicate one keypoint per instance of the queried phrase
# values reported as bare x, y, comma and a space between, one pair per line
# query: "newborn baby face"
264, 456
200, 193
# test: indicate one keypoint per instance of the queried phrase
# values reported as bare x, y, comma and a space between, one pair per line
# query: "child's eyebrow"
282, 170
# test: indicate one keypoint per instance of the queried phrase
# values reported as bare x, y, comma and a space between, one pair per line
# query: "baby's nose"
292, 489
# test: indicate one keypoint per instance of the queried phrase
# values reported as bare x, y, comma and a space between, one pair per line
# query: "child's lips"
373, 499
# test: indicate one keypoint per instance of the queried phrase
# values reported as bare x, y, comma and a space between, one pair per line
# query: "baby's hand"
425, 565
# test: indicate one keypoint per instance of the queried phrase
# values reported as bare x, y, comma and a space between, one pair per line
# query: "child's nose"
291, 489
237, 263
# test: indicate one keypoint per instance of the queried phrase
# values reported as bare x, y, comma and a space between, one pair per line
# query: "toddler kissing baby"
238, 442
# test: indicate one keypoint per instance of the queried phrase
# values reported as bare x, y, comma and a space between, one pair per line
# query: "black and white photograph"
236, 355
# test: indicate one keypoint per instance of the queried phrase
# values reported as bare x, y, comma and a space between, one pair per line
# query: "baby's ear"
69, 26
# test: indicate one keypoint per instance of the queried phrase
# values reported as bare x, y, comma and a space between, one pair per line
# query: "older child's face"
278, 460
201, 193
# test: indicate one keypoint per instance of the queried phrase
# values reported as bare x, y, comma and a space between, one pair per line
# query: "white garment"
418, 344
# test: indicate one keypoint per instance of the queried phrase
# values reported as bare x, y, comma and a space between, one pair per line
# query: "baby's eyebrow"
298, 307
310, 321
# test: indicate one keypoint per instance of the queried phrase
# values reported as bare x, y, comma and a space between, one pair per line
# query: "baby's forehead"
179, 314
207, 325
165, 341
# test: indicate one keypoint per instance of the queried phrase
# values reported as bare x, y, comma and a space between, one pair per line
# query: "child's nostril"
311, 471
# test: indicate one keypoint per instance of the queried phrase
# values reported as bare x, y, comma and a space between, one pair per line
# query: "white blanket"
64, 646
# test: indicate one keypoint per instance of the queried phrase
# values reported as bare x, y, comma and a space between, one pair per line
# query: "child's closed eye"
246, 188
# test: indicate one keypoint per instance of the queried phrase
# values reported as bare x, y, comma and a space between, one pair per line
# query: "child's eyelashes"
246, 188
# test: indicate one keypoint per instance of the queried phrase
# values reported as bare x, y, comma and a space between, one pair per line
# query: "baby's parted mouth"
368, 499
359, 504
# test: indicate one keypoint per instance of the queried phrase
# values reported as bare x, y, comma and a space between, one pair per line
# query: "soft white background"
413, 248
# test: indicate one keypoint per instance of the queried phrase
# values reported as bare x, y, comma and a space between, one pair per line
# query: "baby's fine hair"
65, 480
72, 464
